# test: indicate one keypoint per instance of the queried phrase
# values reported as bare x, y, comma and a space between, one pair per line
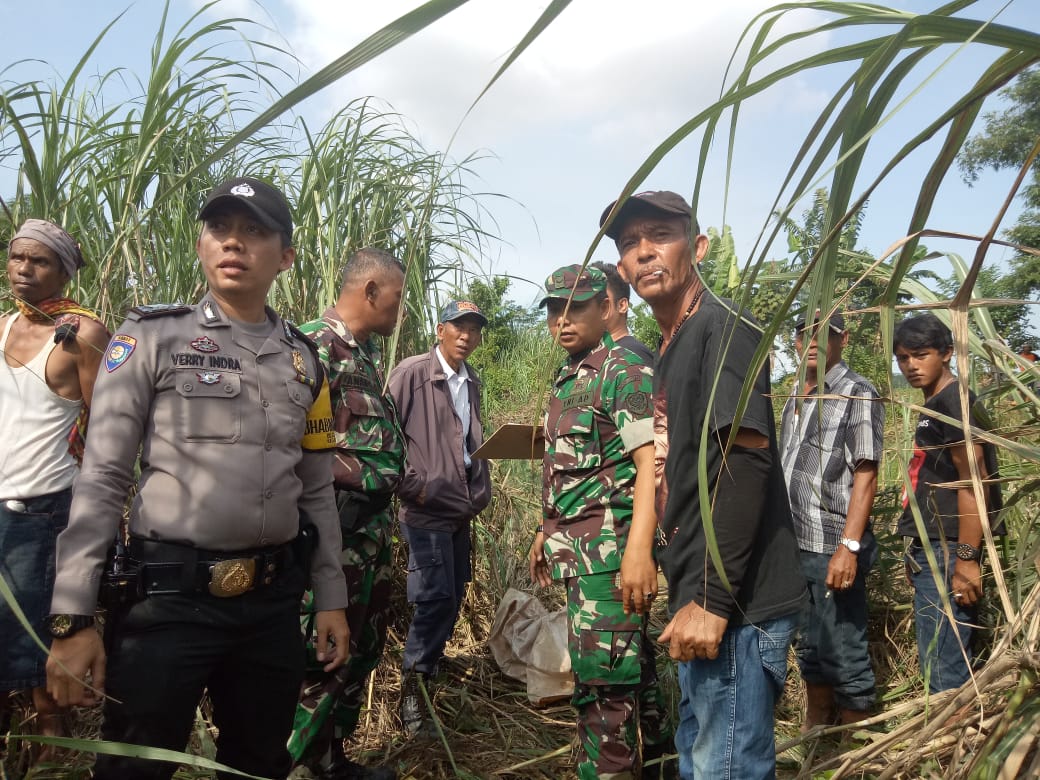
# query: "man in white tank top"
50, 350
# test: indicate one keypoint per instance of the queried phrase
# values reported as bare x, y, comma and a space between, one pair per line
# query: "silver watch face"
852, 544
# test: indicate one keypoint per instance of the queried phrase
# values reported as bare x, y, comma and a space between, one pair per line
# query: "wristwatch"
64, 626
968, 553
852, 544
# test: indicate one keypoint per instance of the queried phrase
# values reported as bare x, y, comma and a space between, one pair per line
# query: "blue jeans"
726, 712
831, 643
943, 650
438, 570
28, 535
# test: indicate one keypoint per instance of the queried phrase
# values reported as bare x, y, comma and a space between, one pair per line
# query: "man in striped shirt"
831, 438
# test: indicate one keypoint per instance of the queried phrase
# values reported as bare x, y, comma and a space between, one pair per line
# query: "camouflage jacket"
600, 410
369, 441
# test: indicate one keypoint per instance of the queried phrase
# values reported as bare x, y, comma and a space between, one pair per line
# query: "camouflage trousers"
330, 704
619, 703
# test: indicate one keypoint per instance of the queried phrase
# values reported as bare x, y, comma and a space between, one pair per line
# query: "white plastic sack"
530, 644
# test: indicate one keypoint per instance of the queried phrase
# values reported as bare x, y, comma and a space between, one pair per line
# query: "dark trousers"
28, 534
247, 651
831, 641
438, 570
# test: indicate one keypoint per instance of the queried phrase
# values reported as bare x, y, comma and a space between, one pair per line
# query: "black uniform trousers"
247, 651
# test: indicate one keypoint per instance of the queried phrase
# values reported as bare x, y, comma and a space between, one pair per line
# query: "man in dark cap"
734, 603
831, 437
52, 348
228, 406
438, 397
597, 532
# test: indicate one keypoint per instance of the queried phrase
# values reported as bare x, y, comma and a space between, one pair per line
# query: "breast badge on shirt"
119, 351
208, 377
205, 344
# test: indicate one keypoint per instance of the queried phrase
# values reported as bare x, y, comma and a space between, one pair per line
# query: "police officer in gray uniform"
228, 406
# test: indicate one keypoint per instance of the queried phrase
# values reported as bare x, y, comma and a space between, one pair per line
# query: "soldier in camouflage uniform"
598, 531
367, 470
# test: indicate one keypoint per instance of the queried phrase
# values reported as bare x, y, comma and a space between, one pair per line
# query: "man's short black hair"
617, 286
925, 331
368, 260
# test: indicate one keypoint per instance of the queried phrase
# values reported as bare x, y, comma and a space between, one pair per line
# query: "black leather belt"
176, 568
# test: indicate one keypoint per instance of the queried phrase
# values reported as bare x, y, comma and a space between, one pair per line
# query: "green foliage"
111, 170
512, 359
643, 325
1011, 322
720, 268
1007, 139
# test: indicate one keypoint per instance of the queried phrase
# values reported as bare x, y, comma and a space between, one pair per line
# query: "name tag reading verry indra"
192, 360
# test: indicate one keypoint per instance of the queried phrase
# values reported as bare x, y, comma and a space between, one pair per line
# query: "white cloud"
597, 62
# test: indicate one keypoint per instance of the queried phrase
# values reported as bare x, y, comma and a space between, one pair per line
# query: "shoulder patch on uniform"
151, 310
120, 348
637, 403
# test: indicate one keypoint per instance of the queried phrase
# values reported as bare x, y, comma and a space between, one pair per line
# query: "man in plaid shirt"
831, 438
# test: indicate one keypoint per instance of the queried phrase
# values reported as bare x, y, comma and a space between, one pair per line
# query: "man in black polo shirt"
733, 616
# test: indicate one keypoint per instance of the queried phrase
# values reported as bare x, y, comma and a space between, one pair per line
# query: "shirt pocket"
371, 427
293, 412
577, 446
576, 453
209, 410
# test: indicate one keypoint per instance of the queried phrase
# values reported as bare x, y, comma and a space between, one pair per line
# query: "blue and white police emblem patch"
208, 377
119, 351
205, 344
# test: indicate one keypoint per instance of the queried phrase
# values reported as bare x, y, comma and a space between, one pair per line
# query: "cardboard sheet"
513, 440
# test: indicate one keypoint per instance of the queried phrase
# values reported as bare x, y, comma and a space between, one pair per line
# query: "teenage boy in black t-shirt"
947, 518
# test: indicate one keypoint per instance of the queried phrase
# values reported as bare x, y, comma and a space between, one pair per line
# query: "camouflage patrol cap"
586, 283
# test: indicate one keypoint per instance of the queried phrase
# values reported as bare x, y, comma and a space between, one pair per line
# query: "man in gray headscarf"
51, 349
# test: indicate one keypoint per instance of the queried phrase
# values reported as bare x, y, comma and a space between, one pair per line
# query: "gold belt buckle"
231, 578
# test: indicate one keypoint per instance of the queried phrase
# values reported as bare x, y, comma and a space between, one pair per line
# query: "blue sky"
574, 117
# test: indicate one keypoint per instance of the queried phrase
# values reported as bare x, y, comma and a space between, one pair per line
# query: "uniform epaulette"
151, 310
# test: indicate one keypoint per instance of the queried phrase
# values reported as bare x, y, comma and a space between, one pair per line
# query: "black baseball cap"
836, 323
662, 201
259, 198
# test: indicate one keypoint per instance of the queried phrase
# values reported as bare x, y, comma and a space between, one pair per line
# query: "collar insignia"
208, 312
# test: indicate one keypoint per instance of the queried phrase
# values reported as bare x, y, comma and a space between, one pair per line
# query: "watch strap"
852, 545
63, 626
968, 553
